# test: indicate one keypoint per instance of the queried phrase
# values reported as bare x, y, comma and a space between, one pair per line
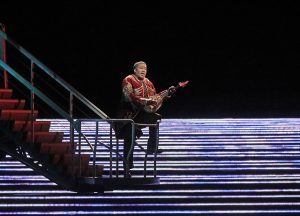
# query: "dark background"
241, 58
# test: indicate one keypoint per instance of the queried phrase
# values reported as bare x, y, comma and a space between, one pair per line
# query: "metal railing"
3, 55
72, 91
35, 91
116, 150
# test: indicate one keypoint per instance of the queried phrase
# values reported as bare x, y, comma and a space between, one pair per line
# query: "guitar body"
159, 98
158, 102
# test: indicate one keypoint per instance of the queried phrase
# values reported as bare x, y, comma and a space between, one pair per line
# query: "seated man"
136, 100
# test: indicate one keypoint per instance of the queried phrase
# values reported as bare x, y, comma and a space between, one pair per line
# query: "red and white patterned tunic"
135, 89
133, 92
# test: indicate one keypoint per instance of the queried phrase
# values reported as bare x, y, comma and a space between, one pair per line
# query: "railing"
116, 150
3, 55
156, 126
73, 92
34, 91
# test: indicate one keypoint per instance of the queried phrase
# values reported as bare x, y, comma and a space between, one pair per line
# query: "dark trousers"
2, 155
142, 118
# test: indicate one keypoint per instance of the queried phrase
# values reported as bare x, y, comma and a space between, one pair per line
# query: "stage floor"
208, 167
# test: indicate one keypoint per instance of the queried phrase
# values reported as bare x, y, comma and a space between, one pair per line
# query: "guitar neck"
159, 98
178, 86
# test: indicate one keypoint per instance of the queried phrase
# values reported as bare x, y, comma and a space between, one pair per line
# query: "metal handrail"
2, 28
156, 146
42, 96
133, 143
57, 78
47, 100
110, 121
35, 91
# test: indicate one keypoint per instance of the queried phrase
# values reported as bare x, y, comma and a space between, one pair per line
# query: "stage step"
68, 162
5, 93
56, 148
45, 136
66, 159
27, 125
87, 171
18, 115
12, 104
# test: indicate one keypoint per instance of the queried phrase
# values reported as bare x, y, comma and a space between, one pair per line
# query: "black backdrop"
242, 59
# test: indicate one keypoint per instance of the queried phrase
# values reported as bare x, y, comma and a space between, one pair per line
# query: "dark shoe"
152, 151
138, 133
131, 166
2, 155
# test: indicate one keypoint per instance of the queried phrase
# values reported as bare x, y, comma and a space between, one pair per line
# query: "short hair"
137, 63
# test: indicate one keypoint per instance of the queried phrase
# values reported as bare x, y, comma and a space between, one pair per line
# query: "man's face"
141, 71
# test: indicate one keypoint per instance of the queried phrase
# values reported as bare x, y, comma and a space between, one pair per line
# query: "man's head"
140, 69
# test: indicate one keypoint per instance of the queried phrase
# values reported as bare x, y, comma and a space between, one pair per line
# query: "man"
136, 93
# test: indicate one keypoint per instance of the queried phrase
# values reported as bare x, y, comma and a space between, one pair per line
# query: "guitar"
159, 98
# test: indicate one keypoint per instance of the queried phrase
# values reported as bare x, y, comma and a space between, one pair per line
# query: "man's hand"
151, 102
148, 101
171, 90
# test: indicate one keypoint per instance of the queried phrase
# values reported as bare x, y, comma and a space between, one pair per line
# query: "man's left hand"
171, 90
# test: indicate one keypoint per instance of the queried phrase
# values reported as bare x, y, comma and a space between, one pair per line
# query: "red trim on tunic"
133, 89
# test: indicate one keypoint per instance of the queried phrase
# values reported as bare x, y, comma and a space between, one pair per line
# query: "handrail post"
2, 26
117, 151
72, 133
130, 150
145, 164
32, 107
156, 147
95, 149
117, 157
73, 146
79, 148
156, 126
110, 157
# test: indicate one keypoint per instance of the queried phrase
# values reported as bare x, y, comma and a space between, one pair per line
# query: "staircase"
230, 167
42, 149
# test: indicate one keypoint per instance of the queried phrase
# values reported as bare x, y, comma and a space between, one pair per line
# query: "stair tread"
34, 122
17, 111
55, 148
66, 160
27, 125
45, 136
5, 93
12, 104
56, 143
88, 170
9, 114
44, 133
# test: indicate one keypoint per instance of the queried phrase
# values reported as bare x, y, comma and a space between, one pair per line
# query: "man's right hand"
148, 101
